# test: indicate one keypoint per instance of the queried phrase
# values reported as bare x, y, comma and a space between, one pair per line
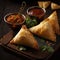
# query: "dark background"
5, 6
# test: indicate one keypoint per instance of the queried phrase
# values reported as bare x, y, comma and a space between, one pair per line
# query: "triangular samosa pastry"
55, 6
25, 37
53, 19
43, 4
40, 3
46, 4
44, 29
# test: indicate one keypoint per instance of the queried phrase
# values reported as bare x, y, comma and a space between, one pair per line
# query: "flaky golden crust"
48, 27
43, 4
46, 4
55, 6
40, 3
25, 37
53, 19
44, 29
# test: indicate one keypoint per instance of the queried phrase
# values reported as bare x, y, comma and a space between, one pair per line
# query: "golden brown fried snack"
43, 4
44, 29
46, 4
55, 6
53, 19
25, 37
40, 3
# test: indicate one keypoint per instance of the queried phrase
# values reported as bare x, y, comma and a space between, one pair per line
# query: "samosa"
43, 4
46, 4
55, 6
45, 30
40, 3
25, 37
53, 19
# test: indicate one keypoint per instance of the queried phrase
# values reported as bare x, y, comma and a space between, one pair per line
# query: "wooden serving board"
29, 53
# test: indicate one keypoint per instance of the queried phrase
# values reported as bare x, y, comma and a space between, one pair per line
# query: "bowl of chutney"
37, 12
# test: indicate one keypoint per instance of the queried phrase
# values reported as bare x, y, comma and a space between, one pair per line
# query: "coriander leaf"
47, 48
30, 22
42, 40
43, 48
22, 48
50, 49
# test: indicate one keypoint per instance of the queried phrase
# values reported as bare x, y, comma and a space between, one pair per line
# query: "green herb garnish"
30, 22
42, 40
47, 48
50, 49
22, 48
43, 48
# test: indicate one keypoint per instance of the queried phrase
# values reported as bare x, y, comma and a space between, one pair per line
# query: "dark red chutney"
37, 12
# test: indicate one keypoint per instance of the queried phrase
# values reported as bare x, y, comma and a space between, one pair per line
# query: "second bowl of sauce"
14, 19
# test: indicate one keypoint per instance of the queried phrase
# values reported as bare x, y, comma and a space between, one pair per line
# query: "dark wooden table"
6, 7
